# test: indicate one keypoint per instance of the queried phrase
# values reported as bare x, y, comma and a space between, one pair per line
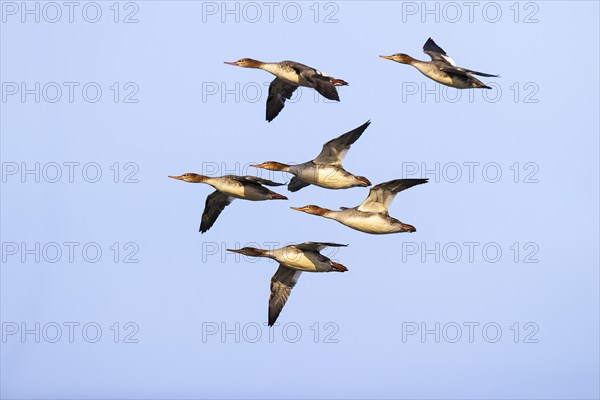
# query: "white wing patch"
323, 74
450, 60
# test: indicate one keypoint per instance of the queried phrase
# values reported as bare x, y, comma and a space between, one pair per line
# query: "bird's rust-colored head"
312, 209
272, 165
400, 58
249, 251
190, 177
245, 63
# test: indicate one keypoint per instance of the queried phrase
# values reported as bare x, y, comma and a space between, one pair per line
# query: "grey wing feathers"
335, 150
282, 284
296, 184
215, 203
260, 181
326, 88
279, 91
470, 71
436, 52
317, 246
398, 185
430, 45
381, 196
463, 71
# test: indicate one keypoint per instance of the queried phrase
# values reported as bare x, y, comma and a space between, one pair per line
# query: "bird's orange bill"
231, 63
387, 57
176, 177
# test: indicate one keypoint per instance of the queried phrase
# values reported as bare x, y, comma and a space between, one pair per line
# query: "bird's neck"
257, 64
200, 179
277, 166
274, 68
325, 212
420, 65
262, 253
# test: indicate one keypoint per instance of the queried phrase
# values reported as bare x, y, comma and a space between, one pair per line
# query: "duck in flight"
442, 68
288, 76
372, 215
326, 170
228, 188
293, 260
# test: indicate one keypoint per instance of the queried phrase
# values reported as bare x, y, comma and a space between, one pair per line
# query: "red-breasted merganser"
293, 260
326, 170
290, 75
442, 68
372, 215
230, 187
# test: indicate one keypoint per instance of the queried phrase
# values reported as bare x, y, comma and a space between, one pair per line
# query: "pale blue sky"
540, 120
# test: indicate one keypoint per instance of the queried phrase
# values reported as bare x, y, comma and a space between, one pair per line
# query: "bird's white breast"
286, 74
229, 187
327, 176
303, 261
433, 72
370, 223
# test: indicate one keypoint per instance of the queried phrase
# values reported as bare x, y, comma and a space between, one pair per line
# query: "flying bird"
442, 68
372, 215
326, 170
293, 260
230, 187
289, 75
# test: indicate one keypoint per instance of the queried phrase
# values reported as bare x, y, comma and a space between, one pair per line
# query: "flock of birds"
326, 171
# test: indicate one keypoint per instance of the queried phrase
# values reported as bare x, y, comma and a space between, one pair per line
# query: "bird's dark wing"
296, 184
470, 71
450, 69
282, 284
335, 150
381, 196
215, 203
260, 181
317, 246
279, 91
327, 89
437, 53
320, 82
448, 65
